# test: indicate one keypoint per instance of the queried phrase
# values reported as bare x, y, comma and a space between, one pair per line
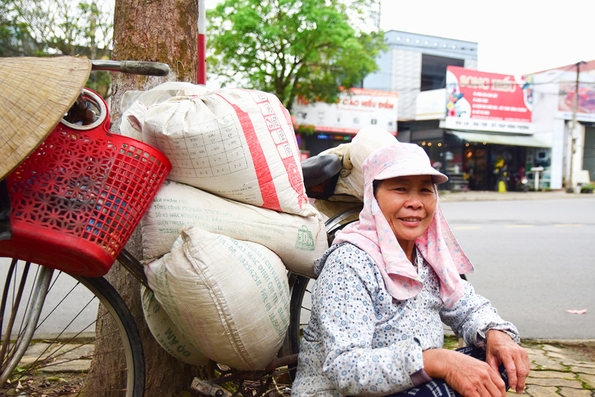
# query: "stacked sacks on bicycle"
236, 171
233, 218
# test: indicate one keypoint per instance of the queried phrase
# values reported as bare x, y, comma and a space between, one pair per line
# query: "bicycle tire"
299, 311
54, 353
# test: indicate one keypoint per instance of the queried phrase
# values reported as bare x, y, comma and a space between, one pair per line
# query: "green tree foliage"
15, 39
309, 48
51, 27
58, 27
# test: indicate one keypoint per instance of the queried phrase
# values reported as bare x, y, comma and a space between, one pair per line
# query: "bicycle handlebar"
133, 67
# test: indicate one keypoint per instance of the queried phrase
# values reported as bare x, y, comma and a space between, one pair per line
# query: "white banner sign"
361, 108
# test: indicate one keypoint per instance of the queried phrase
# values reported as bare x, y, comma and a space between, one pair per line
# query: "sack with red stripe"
235, 143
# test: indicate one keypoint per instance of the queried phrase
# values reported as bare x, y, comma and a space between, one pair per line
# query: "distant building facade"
484, 130
475, 126
415, 63
568, 124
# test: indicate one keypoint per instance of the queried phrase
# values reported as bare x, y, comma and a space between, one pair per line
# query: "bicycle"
31, 290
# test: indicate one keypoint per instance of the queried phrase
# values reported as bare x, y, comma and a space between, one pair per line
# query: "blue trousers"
439, 388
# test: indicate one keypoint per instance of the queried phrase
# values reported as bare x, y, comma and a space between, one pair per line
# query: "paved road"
78, 306
534, 258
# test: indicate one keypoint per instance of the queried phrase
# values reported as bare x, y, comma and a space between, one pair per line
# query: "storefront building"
484, 130
476, 127
414, 63
564, 108
334, 124
478, 130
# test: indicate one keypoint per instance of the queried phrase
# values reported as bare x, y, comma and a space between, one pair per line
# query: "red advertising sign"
487, 101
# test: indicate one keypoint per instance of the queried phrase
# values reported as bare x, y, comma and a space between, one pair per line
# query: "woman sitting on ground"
384, 290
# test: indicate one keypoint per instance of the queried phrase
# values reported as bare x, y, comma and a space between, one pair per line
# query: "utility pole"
201, 71
573, 125
379, 15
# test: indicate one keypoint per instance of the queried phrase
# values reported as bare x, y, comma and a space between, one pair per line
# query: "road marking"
517, 226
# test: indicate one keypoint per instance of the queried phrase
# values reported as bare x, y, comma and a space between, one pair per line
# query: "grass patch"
451, 342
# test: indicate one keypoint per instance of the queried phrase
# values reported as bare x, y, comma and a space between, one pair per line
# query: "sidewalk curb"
473, 195
568, 342
561, 342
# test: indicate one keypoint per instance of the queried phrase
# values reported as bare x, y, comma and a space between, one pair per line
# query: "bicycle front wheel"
66, 336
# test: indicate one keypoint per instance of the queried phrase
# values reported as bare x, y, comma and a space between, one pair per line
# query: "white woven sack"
134, 103
236, 143
365, 142
229, 297
167, 334
297, 240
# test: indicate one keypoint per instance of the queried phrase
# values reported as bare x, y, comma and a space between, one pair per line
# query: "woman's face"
408, 204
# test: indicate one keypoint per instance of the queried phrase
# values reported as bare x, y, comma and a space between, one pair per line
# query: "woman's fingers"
522, 368
511, 370
472, 378
495, 387
469, 376
501, 349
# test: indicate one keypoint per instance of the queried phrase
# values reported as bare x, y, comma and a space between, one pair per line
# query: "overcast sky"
514, 36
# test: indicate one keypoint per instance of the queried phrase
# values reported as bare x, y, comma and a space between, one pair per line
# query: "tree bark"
162, 31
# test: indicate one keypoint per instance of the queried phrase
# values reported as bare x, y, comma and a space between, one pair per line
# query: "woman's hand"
465, 374
501, 349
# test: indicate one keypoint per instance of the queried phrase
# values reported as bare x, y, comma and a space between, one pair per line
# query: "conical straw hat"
35, 93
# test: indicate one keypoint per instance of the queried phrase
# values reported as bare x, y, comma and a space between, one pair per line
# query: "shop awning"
500, 139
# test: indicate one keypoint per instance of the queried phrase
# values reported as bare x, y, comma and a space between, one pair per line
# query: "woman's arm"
473, 315
474, 318
345, 310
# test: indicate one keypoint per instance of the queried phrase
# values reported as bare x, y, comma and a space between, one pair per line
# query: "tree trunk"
162, 31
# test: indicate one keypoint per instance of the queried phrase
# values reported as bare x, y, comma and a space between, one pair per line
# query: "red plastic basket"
77, 199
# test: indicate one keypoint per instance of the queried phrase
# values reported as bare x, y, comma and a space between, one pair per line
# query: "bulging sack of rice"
351, 180
167, 334
134, 103
297, 240
236, 143
230, 298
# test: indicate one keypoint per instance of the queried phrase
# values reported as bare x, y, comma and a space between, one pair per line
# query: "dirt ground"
45, 385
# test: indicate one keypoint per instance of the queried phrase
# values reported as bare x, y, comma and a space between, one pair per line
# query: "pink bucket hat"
373, 234
402, 159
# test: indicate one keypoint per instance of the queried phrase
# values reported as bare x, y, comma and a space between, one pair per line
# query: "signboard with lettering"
483, 101
585, 99
355, 110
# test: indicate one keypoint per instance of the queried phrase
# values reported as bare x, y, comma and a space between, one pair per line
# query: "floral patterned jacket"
362, 341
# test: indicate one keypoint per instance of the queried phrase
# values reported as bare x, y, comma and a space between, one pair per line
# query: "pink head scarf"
373, 234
